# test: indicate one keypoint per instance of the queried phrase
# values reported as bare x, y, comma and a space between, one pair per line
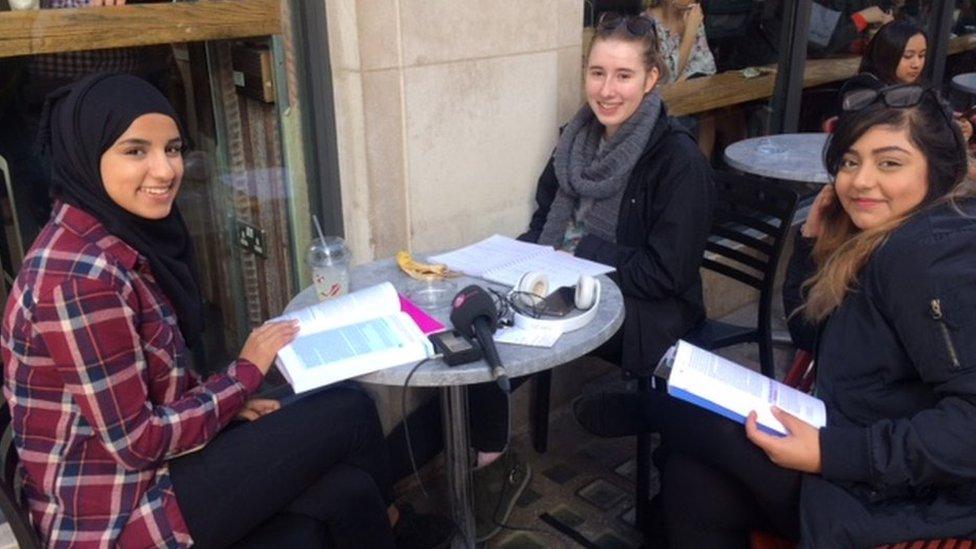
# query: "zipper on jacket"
936, 306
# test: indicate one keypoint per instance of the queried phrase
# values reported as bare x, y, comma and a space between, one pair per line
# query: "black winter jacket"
896, 367
662, 227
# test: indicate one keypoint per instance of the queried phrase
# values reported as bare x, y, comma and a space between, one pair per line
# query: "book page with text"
740, 390
372, 302
351, 350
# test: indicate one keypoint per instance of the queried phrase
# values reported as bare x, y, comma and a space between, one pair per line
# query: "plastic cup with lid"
328, 258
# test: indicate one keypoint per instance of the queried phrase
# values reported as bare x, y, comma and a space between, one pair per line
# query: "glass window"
846, 36
243, 194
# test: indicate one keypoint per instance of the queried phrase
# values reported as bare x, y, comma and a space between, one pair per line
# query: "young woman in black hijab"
121, 443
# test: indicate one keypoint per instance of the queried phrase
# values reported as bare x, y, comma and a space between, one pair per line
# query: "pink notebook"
427, 324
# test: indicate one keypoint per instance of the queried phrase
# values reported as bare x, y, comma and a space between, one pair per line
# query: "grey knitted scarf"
585, 171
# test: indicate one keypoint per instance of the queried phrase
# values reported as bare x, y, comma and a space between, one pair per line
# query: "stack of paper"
504, 260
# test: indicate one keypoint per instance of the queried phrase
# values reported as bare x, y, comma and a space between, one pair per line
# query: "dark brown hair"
613, 26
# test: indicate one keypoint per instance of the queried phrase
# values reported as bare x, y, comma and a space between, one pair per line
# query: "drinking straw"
318, 228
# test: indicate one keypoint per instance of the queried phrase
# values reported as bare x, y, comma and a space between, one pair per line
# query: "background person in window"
896, 364
121, 443
627, 187
680, 28
681, 38
896, 53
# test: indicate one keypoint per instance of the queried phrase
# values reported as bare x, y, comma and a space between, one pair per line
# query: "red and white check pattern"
101, 397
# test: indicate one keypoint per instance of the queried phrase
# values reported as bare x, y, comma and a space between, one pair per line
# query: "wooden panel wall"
48, 31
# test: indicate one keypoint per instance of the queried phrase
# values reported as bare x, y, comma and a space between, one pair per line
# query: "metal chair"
15, 249
751, 221
11, 504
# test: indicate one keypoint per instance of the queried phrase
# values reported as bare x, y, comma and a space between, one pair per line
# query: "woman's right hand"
266, 340
693, 17
814, 223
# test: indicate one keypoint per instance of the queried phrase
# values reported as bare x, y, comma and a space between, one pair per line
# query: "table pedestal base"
454, 410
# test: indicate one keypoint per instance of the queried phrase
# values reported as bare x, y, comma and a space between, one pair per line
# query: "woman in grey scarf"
627, 187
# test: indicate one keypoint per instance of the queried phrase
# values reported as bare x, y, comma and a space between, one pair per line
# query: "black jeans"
320, 458
716, 485
488, 405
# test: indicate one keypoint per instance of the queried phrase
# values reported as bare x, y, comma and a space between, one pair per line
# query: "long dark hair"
886, 48
842, 249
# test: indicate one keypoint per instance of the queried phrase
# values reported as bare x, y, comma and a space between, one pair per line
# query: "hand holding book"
799, 449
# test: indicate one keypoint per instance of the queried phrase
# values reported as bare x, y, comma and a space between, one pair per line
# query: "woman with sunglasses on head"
627, 187
122, 443
893, 293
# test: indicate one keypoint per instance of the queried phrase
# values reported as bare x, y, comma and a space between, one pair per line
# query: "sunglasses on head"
636, 25
899, 97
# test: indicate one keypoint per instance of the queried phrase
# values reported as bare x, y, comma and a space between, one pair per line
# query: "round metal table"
518, 360
965, 82
787, 156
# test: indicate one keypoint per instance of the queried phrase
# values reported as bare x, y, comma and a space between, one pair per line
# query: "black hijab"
79, 123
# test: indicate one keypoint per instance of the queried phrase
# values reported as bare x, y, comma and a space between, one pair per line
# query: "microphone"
473, 313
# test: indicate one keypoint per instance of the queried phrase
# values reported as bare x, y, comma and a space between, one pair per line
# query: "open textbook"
726, 388
352, 335
504, 260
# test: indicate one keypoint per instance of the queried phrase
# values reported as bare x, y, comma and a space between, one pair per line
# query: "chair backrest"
10, 501
751, 220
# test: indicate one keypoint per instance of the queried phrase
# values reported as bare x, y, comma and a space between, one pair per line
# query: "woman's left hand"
257, 407
799, 450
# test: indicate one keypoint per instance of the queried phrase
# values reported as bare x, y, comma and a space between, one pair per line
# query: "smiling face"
142, 170
912, 60
882, 176
616, 81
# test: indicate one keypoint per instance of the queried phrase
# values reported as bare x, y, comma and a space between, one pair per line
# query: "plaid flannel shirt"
97, 382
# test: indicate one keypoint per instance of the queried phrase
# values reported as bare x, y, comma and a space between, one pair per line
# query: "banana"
421, 271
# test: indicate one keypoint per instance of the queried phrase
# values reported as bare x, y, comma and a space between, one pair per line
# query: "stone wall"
447, 111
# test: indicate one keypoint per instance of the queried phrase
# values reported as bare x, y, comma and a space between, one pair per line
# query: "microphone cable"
406, 424
498, 503
413, 461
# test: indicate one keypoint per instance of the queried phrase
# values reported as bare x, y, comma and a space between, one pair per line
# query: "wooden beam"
32, 32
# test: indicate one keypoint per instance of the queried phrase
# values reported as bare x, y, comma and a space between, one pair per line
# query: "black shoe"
611, 415
422, 530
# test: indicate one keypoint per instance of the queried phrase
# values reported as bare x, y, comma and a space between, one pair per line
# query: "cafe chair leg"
643, 489
541, 387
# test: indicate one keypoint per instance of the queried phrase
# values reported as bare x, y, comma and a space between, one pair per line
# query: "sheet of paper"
493, 252
540, 337
561, 269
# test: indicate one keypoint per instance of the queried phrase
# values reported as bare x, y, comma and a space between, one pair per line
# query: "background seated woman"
895, 263
627, 187
121, 442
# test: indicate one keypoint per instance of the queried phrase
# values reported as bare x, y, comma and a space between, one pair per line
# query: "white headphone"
533, 286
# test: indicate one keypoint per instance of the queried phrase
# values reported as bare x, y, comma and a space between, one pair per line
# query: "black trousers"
488, 405
716, 485
318, 461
